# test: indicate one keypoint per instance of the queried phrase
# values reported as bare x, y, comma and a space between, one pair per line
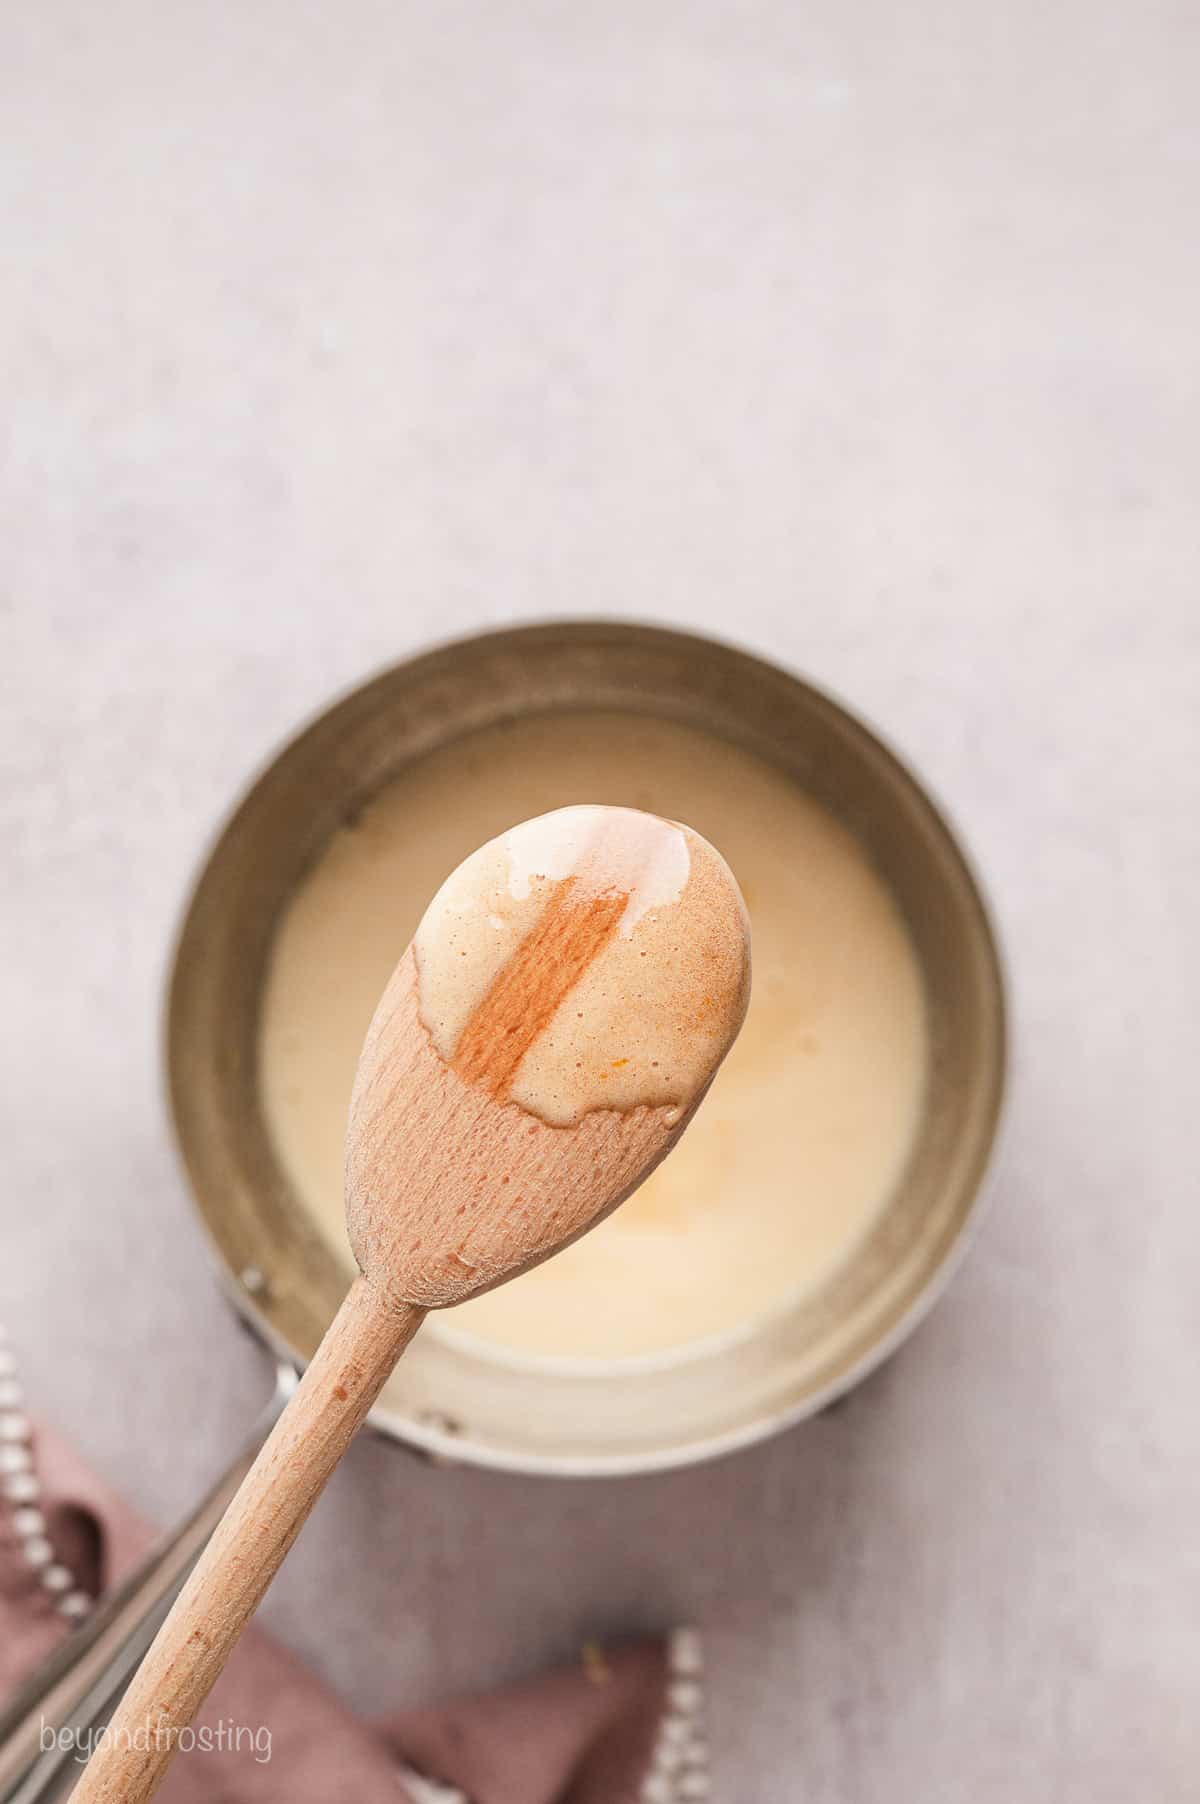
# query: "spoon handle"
363, 1343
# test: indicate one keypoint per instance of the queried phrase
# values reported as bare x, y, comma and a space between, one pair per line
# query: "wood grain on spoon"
540, 1047
571, 931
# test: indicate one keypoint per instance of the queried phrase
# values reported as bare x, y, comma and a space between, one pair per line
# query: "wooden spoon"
541, 1045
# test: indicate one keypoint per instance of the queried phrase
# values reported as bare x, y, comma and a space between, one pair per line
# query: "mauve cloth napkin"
620, 1727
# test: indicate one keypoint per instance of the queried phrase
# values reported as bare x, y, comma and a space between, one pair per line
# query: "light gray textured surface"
866, 335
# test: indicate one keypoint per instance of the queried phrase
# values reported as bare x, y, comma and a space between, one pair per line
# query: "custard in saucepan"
809, 1122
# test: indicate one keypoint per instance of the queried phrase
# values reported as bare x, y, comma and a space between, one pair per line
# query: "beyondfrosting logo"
225, 1736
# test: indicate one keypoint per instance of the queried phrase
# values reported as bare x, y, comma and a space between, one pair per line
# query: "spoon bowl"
542, 1045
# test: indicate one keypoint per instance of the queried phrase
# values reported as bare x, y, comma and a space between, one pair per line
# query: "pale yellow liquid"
808, 1125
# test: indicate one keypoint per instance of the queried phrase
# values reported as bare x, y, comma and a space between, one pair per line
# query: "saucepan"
446, 1399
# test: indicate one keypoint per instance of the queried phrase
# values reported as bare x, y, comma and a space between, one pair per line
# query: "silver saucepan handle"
77, 1688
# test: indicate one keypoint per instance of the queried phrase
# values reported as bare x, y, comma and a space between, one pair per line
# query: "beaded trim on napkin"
21, 1494
679, 1771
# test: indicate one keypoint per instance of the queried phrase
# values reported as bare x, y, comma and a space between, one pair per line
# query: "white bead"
8, 1364
37, 1551
423, 1790
57, 1578
675, 1729
667, 1756
694, 1785
657, 1790
29, 1522
15, 1459
684, 1696
687, 1652
11, 1395
14, 1426
75, 1604
21, 1487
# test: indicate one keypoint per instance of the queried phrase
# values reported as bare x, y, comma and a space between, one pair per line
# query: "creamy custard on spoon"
553, 943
